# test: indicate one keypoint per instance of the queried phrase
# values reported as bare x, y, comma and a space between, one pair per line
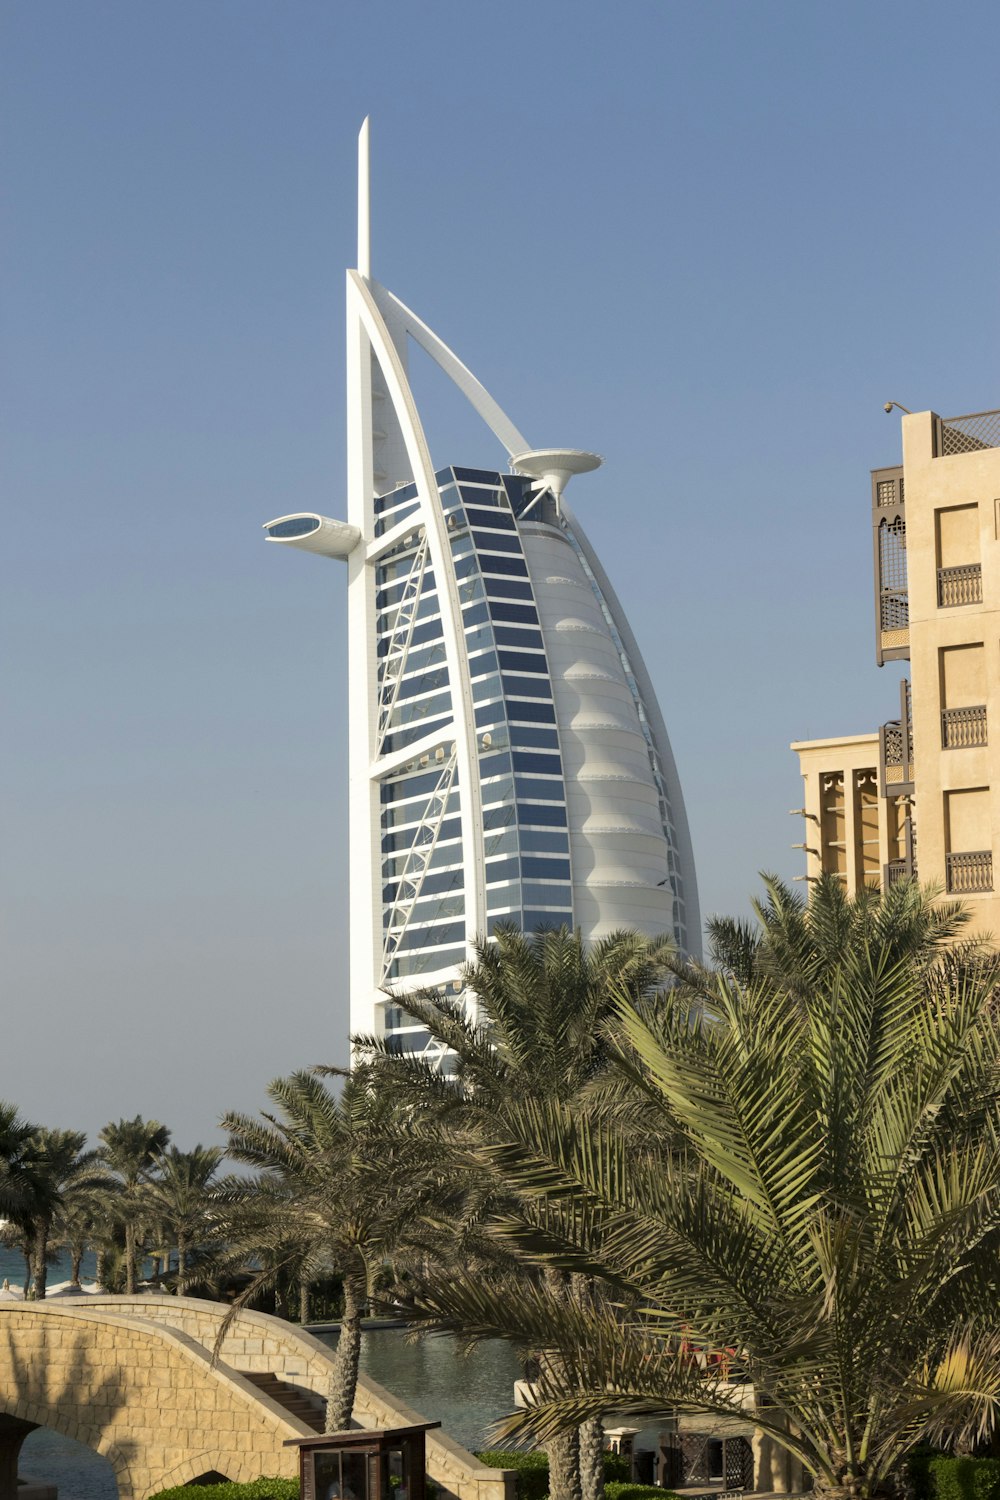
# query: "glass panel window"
541, 713
540, 868
479, 666
499, 817
532, 734
534, 921
485, 688
493, 765
500, 609
510, 588
494, 518
528, 687
544, 840
537, 814
515, 566
494, 541
510, 635
524, 661
546, 791
532, 760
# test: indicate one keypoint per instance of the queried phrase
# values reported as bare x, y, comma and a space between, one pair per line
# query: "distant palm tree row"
132, 1197
768, 1187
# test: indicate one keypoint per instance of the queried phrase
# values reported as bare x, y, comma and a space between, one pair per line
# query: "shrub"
964, 1478
532, 1470
533, 1476
917, 1471
616, 1491
257, 1489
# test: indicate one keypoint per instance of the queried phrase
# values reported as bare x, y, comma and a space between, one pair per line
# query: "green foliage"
532, 1470
616, 1491
533, 1475
918, 1471
964, 1478
257, 1489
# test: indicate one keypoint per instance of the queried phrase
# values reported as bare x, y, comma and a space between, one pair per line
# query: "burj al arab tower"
508, 760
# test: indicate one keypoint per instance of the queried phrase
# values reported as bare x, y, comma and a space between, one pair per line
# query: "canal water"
464, 1392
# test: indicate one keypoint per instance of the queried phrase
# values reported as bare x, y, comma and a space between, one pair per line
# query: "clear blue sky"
707, 240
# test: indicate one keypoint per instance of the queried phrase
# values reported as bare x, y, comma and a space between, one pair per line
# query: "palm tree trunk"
344, 1371
29, 1262
75, 1262
41, 1251
563, 1451
181, 1263
101, 1259
592, 1458
129, 1258
564, 1466
303, 1302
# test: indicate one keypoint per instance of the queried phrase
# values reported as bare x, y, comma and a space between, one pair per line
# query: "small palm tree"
180, 1195
339, 1183
823, 1239
129, 1149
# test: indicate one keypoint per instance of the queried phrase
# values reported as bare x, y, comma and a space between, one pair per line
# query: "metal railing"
962, 585
897, 869
961, 727
969, 872
980, 429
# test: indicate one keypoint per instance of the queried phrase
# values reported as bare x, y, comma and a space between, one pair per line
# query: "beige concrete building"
921, 795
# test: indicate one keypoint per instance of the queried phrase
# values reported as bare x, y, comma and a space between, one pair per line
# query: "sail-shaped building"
508, 760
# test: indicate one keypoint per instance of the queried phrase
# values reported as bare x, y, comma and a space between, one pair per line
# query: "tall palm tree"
339, 1183
824, 1241
130, 1148
539, 1033
180, 1195
65, 1171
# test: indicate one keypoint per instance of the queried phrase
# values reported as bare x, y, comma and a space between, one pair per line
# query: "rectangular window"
502, 869
498, 817
544, 841
494, 518
489, 542
528, 687
516, 567
480, 666
531, 734
494, 765
500, 609
544, 869
524, 637
545, 791
543, 765
524, 661
539, 713
509, 588
475, 614
551, 815
556, 894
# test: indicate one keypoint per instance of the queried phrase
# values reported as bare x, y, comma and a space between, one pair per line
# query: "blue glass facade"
525, 839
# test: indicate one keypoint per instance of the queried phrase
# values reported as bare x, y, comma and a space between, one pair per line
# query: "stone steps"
298, 1402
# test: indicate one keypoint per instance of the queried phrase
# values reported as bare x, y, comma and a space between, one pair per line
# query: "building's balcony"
897, 869
962, 727
895, 750
968, 873
962, 585
892, 602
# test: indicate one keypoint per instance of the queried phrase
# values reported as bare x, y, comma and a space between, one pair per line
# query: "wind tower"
508, 760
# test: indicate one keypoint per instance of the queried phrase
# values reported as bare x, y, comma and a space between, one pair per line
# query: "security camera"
887, 406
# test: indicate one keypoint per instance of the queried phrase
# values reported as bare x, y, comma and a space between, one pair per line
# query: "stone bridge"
133, 1378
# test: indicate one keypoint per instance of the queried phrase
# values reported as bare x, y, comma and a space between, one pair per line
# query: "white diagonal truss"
394, 661
410, 880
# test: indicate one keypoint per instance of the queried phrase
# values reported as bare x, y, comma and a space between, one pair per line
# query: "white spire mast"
364, 205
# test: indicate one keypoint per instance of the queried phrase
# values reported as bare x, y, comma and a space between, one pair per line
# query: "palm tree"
339, 1183
130, 1148
824, 1241
64, 1171
180, 1195
18, 1164
539, 1033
